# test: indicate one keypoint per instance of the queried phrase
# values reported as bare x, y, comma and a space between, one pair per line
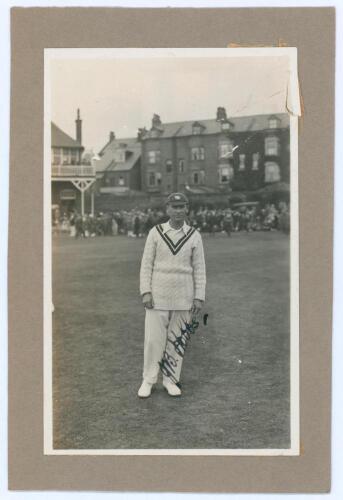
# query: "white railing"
72, 171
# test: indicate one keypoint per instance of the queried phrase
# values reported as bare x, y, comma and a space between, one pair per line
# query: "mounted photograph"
171, 302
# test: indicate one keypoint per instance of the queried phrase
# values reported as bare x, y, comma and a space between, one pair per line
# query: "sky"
122, 94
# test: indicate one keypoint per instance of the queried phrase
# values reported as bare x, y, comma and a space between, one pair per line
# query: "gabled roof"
60, 139
240, 124
107, 161
129, 141
124, 165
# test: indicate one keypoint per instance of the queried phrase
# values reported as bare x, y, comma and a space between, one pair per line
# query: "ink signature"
169, 362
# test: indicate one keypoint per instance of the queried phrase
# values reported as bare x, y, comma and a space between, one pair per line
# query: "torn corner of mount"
293, 97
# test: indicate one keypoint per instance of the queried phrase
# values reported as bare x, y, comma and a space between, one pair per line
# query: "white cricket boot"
145, 389
171, 388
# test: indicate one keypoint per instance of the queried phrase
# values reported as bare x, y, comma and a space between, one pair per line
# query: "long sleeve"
147, 263
199, 270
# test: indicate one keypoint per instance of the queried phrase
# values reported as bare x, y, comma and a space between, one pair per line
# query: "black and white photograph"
171, 251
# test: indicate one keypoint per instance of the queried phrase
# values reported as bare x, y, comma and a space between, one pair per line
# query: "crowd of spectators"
137, 223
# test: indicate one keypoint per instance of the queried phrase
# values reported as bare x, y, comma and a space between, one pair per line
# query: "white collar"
167, 227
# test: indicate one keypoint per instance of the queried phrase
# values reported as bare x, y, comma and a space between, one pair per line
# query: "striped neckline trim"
175, 247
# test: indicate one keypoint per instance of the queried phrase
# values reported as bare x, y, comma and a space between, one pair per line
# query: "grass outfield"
235, 379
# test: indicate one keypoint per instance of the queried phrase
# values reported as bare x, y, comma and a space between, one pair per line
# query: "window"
120, 156
225, 150
169, 166
255, 160
68, 194
66, 156
154, 179
73, 157
153, 156
151, 179
198, 153
198, 177
181, 166
271, 146
241, 162
272, 172
196, 130
225, 174
121, 181
225, 126
56, 157
273, 123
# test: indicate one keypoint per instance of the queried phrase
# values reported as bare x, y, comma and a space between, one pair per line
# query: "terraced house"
215, 155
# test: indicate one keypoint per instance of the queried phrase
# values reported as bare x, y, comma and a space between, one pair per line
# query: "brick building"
215, 155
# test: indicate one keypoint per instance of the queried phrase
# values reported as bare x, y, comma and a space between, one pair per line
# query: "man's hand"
147, 301
197, 306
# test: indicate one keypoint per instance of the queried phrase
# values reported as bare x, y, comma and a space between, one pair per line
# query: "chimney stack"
156, 121
221, 114
78, 122
112, 136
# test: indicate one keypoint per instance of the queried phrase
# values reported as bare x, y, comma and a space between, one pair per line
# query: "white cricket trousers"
161, 330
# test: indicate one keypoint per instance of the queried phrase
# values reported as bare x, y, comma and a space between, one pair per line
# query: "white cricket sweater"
173, 267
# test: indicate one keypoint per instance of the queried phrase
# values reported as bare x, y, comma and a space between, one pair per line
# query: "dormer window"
197, 128
273, 122
120, 156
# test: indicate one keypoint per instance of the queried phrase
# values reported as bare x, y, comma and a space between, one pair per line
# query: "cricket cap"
177, 199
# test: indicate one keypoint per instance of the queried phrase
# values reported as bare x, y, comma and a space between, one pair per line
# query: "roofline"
224, 120
119, 169
65, 133
101, 150
68, 147
117, 140
214, 133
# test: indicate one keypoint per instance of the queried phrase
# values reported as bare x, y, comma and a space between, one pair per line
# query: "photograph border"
32, 30
293, 109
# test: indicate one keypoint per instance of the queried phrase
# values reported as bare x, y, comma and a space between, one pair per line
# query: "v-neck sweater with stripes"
173, 267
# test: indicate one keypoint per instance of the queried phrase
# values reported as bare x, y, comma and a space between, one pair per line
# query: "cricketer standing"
172, 287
